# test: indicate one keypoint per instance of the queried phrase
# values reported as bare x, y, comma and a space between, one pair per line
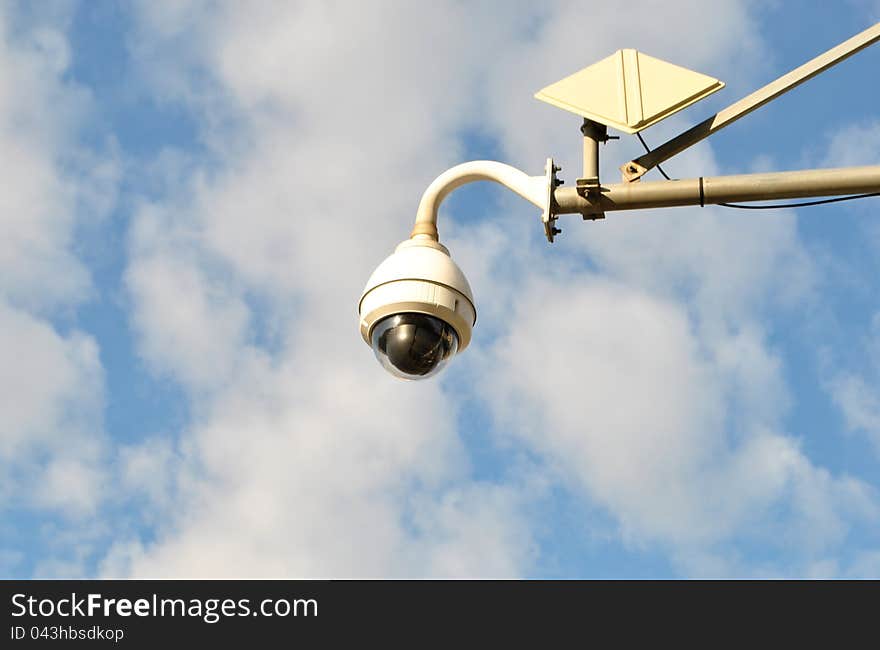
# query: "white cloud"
299, 473
51, 383
855, 391
39, 271
854, 388
149, 469
622, 398
860, 404
51, 398
189, 323
42, 383
625, 389
854, 145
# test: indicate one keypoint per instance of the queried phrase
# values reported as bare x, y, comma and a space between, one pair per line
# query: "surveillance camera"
417, 310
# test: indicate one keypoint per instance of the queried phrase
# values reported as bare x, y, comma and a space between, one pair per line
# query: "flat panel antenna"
629, 90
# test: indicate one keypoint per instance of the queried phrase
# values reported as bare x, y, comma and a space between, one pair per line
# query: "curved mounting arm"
535, 189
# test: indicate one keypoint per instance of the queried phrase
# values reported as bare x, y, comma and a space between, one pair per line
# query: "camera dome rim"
419, 277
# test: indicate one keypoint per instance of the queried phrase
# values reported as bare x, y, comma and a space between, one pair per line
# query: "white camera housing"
417, 310
419, 278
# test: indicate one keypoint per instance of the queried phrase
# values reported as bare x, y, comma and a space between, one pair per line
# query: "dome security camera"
417, 310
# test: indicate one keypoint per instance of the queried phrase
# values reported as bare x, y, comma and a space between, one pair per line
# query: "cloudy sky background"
195, 193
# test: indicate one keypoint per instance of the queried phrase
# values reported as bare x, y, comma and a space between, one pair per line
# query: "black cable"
802, 204
648, 149
776, 206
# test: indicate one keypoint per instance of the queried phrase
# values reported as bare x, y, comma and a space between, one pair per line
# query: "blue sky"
196, 193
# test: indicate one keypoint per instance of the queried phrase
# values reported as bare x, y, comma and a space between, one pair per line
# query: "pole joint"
589, 185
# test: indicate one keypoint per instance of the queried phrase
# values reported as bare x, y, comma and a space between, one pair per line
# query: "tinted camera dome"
413, 346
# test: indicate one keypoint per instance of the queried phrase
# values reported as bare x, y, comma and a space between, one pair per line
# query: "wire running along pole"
720, 189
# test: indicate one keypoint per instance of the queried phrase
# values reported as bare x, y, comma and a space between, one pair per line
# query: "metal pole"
635, 169
719, 189
594, 133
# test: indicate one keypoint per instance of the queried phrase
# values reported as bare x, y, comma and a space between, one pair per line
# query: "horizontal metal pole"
719, 189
